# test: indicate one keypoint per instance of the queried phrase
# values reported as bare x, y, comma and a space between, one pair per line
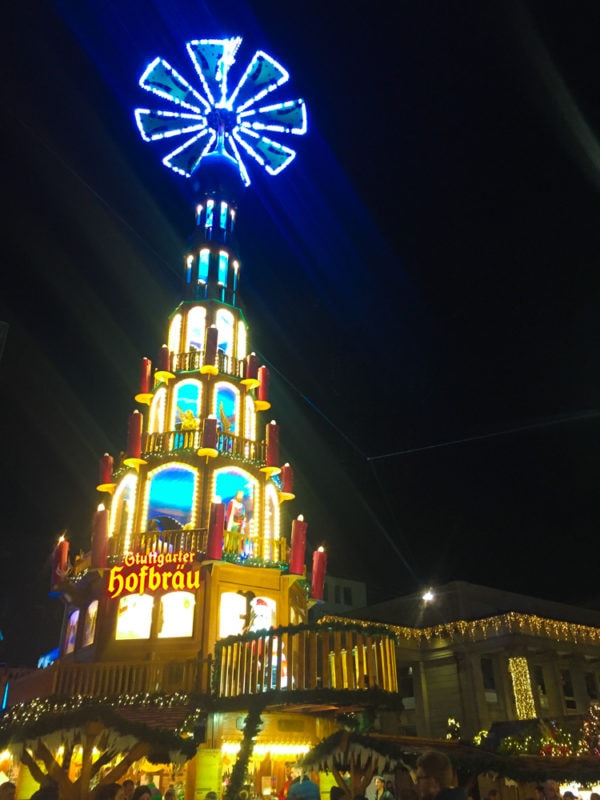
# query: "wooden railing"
228, 444
292, 659
193, 360
304, 658
194, 540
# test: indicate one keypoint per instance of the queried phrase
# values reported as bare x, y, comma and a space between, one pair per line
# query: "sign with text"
142, 573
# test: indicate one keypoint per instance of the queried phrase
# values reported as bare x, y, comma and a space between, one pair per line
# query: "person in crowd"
389, 787
302, 788
594, 796
493, 794
289, 777
128, 789
435, 777
381, 791
49, 791
142, 793
109, 791
336, 793
551, 790
169, 794
568, 795
7, 790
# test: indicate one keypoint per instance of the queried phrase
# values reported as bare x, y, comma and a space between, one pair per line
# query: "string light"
521, 679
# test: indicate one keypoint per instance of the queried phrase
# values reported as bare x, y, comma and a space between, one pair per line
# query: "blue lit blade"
212, 59
288, 117
271, 155
163, 124
262, 76
186, 158
160, 78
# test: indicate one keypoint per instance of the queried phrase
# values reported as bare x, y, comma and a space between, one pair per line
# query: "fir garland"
252, 725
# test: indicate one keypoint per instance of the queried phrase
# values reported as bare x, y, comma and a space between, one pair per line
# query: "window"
89, 630
196, 324
171, 497
223, 216
226, 409
175, 334
406, 686
203, 264
176, 615
223, 266
186, 410
489, 680
540, 686
71, 632
241, 340
123, 505
567, 689
210, 207
134, 617
239, 491
591, 685
337, 595
156, 422
347, 594
188, 268
225, 327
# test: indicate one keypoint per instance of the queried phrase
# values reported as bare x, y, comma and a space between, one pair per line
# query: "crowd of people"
434, 780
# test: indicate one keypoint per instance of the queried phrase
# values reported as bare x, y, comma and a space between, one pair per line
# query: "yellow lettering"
115, 582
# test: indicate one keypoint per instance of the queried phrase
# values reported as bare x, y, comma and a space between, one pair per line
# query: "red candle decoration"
60, 561
263, 384
272, 437
287, 479
100, 538
134, 435
251, 366
164, 359
298, 546
210, 351
145, 375
318, 573
106, 469
216, 525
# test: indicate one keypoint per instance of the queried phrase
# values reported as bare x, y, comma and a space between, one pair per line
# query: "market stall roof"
345, 750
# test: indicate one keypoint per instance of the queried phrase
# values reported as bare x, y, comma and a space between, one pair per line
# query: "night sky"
423, 282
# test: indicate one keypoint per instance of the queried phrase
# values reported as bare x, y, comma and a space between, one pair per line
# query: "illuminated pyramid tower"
194, 520
193, 599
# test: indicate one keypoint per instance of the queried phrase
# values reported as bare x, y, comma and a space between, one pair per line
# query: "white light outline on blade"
165, 95
200, 123
285, 75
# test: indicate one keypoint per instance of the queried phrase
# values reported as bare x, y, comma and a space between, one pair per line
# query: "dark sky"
422, 280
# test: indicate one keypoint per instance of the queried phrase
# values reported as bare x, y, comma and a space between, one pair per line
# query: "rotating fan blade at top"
262, 76
212, 59
160, 78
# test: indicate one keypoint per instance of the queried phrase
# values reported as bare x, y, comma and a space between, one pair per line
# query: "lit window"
175, 334
223, 264
156, 422
225, 327
188, 268
210, 205
198, 214
71, 633
171, 495
241, 340
89, 630
226, 407
223, 216
196, 323
203, 265
176, 615
134, 617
